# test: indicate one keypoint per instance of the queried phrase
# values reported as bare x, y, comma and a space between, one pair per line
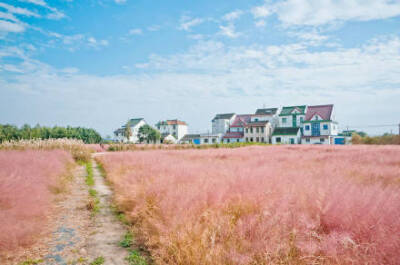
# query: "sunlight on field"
262, 205
29, 181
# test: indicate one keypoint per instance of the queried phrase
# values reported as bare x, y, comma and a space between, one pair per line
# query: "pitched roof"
190, 137
224, 116
233, 135
324, 111
256, 123
172, 122
286, 131
269, 111
288, 110
134, 122
241, 120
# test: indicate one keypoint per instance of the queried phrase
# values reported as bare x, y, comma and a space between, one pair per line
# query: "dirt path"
107, 231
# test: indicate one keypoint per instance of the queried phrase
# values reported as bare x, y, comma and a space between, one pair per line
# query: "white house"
286, 135
292, 116
222, 122
135, 124
175, 128
204, 138
235, 134
270, 115
319, 126
258, 131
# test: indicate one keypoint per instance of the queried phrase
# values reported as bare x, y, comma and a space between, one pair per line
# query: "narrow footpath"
106, 230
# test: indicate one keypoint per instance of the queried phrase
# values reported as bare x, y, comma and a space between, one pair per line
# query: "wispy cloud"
233, 15
135, 31
18, 10
120, 1
187, 23
229, 31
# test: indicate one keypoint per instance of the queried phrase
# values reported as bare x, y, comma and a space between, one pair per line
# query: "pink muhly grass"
263, 205
28, 182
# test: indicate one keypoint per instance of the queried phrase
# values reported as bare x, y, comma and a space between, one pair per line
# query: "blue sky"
97, 63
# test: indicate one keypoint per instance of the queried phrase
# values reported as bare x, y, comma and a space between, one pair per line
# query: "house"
134, 124
258, 131
221, 122
292, 116
172, 129
286, 135
204, 138
236, 130
319, 126
270, 114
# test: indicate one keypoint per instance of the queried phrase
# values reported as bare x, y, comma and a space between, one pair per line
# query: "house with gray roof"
134, 124
222, 122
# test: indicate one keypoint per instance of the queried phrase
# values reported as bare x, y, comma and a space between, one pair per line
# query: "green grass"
93, 192
135, 258
127, 241
97, 261
31, 262
89, 174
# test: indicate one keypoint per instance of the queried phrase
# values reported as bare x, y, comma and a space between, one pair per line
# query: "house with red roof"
235, 133
172, 130
319, 125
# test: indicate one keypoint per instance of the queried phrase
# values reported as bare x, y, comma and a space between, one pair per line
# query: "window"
256, 119
322, 140
206, 140
291, 140
214, 140
262, 139
227, 140
174, 127
325, 126
237, 140
307, 140
307, 127
278, 139
257, 129
262, 129
284, 120
257, 139
301, 119
247, 130
251, 139
247, 139
251, 129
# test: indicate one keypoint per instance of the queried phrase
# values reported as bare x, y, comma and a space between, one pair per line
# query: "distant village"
287, 125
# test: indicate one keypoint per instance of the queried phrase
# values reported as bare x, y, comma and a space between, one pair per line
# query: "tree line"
11, 132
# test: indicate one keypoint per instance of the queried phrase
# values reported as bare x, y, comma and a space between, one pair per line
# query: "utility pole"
399, 128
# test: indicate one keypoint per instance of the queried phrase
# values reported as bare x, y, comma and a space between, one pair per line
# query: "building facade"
319, 126
175, 128
236, 129
222, 122
286, 135
269, 114
134, 124
259, 131
292, 116
204, 138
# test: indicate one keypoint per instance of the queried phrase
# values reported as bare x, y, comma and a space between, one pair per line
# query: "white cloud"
317, 12
187, 23
260, 11
18, 10
6, 26
260, 23
233, 15
154, 28
97, 43
135, 32
229, 31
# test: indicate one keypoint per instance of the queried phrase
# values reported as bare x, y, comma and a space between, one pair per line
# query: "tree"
148, 134
128, 131
356, 138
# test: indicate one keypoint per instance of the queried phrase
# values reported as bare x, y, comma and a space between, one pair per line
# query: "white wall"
316, 140
289, 120
285, 139
222, 125
331, 130
179, 131
233, 140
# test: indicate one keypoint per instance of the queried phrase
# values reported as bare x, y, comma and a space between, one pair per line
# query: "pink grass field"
262, 205
29, 181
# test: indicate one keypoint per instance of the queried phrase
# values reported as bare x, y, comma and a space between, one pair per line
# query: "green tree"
128, 130
148, 134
